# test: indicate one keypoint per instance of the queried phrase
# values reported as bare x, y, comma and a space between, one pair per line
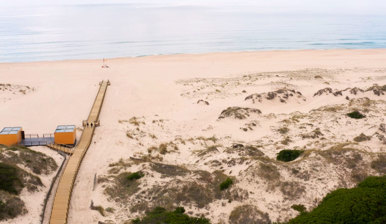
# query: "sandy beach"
199, 107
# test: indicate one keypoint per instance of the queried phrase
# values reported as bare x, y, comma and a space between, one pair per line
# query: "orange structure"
65, 135
11, 136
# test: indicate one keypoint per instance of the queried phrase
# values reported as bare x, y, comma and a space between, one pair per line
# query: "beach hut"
65, 135
11, 136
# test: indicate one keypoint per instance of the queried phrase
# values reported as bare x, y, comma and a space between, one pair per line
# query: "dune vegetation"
365, 203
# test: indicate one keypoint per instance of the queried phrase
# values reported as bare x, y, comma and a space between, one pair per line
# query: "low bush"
374, 182
300, 208
135, 176
226, 184
288, 155
356, 115
9, 180
180, 210
160, 215
365, 203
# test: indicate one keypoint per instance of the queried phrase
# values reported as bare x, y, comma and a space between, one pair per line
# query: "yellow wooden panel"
11, 139
65, 138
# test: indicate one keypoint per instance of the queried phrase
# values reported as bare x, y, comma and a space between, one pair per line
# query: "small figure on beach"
104, 65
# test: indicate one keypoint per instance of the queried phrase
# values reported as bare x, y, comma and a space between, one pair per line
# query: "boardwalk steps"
63, 193
60, 148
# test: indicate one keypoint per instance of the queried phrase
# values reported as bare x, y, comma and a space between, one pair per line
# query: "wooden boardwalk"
63, 193
60, 148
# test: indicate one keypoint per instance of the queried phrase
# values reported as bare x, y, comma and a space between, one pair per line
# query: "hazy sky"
312, 6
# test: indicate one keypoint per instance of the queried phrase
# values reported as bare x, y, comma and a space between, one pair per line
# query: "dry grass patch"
283, 130
292, 189
268, 172
362, 137
286, 140
122, 187
169, 170
245, 150
316, 133
379, 164
163, 148
209, 150
199, 189
18, 166
37, 162
238, 112
246, 214
11, 206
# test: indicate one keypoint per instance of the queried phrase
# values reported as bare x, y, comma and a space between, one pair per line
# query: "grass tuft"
226, 184
161, 215
135, 176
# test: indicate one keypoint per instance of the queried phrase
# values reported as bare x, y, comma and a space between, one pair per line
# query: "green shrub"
374, 182
160, 216
365, 203
300, 208
135, 176
180, 210
226, 184
9, 180
287, 155
356, 115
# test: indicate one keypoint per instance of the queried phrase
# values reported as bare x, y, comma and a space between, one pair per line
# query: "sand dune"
155, 120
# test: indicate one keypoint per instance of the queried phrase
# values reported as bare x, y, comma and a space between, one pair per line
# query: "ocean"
45, 33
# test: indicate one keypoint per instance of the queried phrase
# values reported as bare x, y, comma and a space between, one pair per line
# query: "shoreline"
194, 54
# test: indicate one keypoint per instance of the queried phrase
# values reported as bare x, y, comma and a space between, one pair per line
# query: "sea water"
44, 33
